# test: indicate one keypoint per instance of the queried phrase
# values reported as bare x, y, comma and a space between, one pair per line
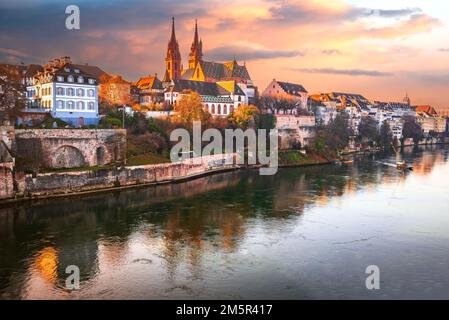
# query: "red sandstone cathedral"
199, 69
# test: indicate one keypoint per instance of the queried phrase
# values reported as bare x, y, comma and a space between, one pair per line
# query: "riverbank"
82, 182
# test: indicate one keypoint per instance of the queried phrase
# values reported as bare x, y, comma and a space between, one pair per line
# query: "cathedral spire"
195, 40
173, 59
173, 35
196, 51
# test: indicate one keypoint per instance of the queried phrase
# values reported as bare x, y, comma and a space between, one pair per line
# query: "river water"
305, 233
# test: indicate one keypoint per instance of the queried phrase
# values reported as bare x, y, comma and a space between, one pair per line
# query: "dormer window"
91, 81
60, 78
70, 78
77, 70
67, 69
80, 79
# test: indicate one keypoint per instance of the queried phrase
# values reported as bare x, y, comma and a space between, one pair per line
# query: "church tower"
196, 51
173, 59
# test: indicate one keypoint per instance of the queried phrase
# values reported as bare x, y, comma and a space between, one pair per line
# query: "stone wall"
6, 180
70, 182
71, 148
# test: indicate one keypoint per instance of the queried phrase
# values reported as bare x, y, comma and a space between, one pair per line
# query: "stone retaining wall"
71, 182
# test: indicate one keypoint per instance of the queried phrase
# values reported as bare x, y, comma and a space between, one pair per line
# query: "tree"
12, 93
411, 129
265, 121
189, 108
281, 103
243, 116
335, 135
385, 135
368, 129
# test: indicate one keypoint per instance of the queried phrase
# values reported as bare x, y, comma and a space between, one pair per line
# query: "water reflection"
183, 240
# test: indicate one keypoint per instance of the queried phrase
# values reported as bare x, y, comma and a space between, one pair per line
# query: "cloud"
347, 72
249, 51
417, 23
314, 12
331, 52
443, 49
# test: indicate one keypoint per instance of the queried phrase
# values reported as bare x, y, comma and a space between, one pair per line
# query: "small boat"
347, 162
401, 165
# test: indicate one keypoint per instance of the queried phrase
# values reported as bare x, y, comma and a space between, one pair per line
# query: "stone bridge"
71, 148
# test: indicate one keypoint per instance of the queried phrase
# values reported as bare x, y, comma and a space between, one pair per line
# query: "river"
305, 233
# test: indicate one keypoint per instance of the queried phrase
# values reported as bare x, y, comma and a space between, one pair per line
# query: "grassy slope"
295, 158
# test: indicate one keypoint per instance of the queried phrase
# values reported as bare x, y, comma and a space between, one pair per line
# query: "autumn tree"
243, 116
189, 108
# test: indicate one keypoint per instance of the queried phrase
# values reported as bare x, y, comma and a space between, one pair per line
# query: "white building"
65, 92
294, 128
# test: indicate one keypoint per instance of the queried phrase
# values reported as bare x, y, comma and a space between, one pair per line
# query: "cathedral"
199, 69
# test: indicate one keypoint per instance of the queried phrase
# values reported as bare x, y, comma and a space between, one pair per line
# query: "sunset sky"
379, 48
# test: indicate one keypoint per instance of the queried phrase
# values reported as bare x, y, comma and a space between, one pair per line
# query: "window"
240, 98
213, 109
231, 109
91, 93
219, 109
70, 78
80, 79
70, 92
80, 92
80, 105
91, 106
76, 70
60, 104
91, 81
70, 105
225, 109
60, 91
60, 78
67, 69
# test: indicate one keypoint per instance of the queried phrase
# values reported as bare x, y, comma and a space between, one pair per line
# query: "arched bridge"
70, 148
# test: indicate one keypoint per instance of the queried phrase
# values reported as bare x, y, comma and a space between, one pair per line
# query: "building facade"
295, 92
65, 92
216, 98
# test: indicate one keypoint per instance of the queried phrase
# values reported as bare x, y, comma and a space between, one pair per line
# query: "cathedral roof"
202, 88
218, 70
188, 74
